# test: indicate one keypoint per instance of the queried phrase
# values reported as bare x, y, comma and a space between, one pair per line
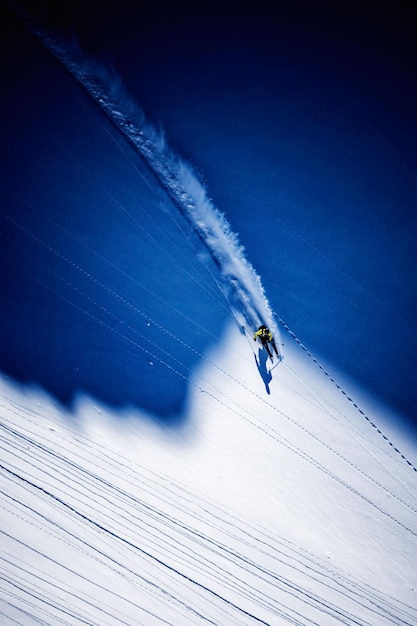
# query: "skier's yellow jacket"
263, 333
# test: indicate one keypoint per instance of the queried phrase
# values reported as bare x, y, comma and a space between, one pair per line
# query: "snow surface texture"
238, 280
280, 509
271, 499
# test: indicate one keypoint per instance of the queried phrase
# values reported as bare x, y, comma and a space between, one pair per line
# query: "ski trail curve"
238, 281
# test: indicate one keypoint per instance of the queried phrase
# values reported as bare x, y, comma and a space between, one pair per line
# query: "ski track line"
243, 591
149, 586
259, 425
126, 303
133, 559
161, 161
96, 280
107, 590
355, 433
121, 209
61, 589
267, 430
224, 549
215, 397
174, 368
31, 593
342, 271
144, 553
175, 176
315, 437
351, 400
127, 519
225, 517
102, 560
17, 609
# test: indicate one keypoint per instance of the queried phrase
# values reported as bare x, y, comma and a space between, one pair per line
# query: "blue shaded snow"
94, 256
119, 270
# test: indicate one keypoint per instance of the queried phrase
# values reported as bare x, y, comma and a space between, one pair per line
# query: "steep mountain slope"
280, 508
155, 468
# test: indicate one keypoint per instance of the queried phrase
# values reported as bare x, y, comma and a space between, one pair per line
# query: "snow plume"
238, 280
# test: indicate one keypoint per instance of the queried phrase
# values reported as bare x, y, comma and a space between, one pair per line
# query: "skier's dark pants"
266, 346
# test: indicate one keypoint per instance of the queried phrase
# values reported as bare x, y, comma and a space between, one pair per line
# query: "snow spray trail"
238, 281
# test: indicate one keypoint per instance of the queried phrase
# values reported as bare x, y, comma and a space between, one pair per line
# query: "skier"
267, 339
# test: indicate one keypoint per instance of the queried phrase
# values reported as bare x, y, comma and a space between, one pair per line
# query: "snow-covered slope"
280, 508
154, 468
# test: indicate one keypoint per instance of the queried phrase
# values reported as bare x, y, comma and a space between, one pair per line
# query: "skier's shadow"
262, 369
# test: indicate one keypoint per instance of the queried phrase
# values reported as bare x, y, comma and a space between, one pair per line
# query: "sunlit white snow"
276, 508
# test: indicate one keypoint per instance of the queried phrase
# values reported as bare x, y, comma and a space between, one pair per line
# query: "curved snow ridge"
238, 281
